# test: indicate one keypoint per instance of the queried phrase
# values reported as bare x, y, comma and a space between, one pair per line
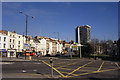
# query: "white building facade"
3, 44
20, 41
43, 46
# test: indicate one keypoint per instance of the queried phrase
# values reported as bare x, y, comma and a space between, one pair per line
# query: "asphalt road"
62, 68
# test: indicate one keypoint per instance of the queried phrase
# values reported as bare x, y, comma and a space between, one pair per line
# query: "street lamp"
79, 42
26, 26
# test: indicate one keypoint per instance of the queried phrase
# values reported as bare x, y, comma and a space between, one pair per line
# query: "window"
4, 46
13, 36
19, 42
18, 47
13, 46
0, 45
10, 40
10, 46
10, 35
4, 38
0, 38
13, 40
19, 36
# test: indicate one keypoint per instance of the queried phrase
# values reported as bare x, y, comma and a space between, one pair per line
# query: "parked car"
58, 54
48, 55
27, 54
33, 54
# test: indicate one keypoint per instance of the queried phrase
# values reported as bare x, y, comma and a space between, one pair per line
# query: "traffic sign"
26, 46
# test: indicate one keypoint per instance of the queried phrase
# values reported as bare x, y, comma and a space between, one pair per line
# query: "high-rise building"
83, 34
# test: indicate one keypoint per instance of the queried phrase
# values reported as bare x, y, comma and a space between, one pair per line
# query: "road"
62, 68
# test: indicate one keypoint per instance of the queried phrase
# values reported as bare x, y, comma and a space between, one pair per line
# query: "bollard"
30, 58
51, 61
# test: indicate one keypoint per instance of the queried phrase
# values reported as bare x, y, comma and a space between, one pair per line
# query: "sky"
62, 17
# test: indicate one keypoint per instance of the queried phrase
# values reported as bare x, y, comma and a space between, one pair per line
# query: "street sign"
3, 50
26, 46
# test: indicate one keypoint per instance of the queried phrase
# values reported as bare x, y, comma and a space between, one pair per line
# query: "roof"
83, 26
4, 32
36, 40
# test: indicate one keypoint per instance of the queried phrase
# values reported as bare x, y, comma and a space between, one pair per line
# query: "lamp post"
79, 43
26, 26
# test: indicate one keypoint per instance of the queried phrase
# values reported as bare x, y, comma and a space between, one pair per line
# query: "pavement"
40, 67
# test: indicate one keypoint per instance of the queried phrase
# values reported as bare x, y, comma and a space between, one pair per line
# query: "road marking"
65, 69
24, 71
66, 65
94, 72
54, 68
78, 69
117, 65
90, 68
37, 63
97, 71
68, 73
100, 66
60, 62
34, 70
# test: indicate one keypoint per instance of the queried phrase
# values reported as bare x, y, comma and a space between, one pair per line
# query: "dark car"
48, 55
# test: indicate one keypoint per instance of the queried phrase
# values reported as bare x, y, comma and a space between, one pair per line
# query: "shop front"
11, 53
18, 53
3, 52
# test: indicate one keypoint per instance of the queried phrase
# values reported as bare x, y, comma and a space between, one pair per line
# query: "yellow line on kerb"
100, 66
117, 65
77, 69
54, 68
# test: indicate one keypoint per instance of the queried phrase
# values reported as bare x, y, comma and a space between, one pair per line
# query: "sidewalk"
27, 75
15, 59
40, 58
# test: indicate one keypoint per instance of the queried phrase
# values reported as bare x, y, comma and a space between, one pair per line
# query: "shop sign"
2, 50
11, 50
